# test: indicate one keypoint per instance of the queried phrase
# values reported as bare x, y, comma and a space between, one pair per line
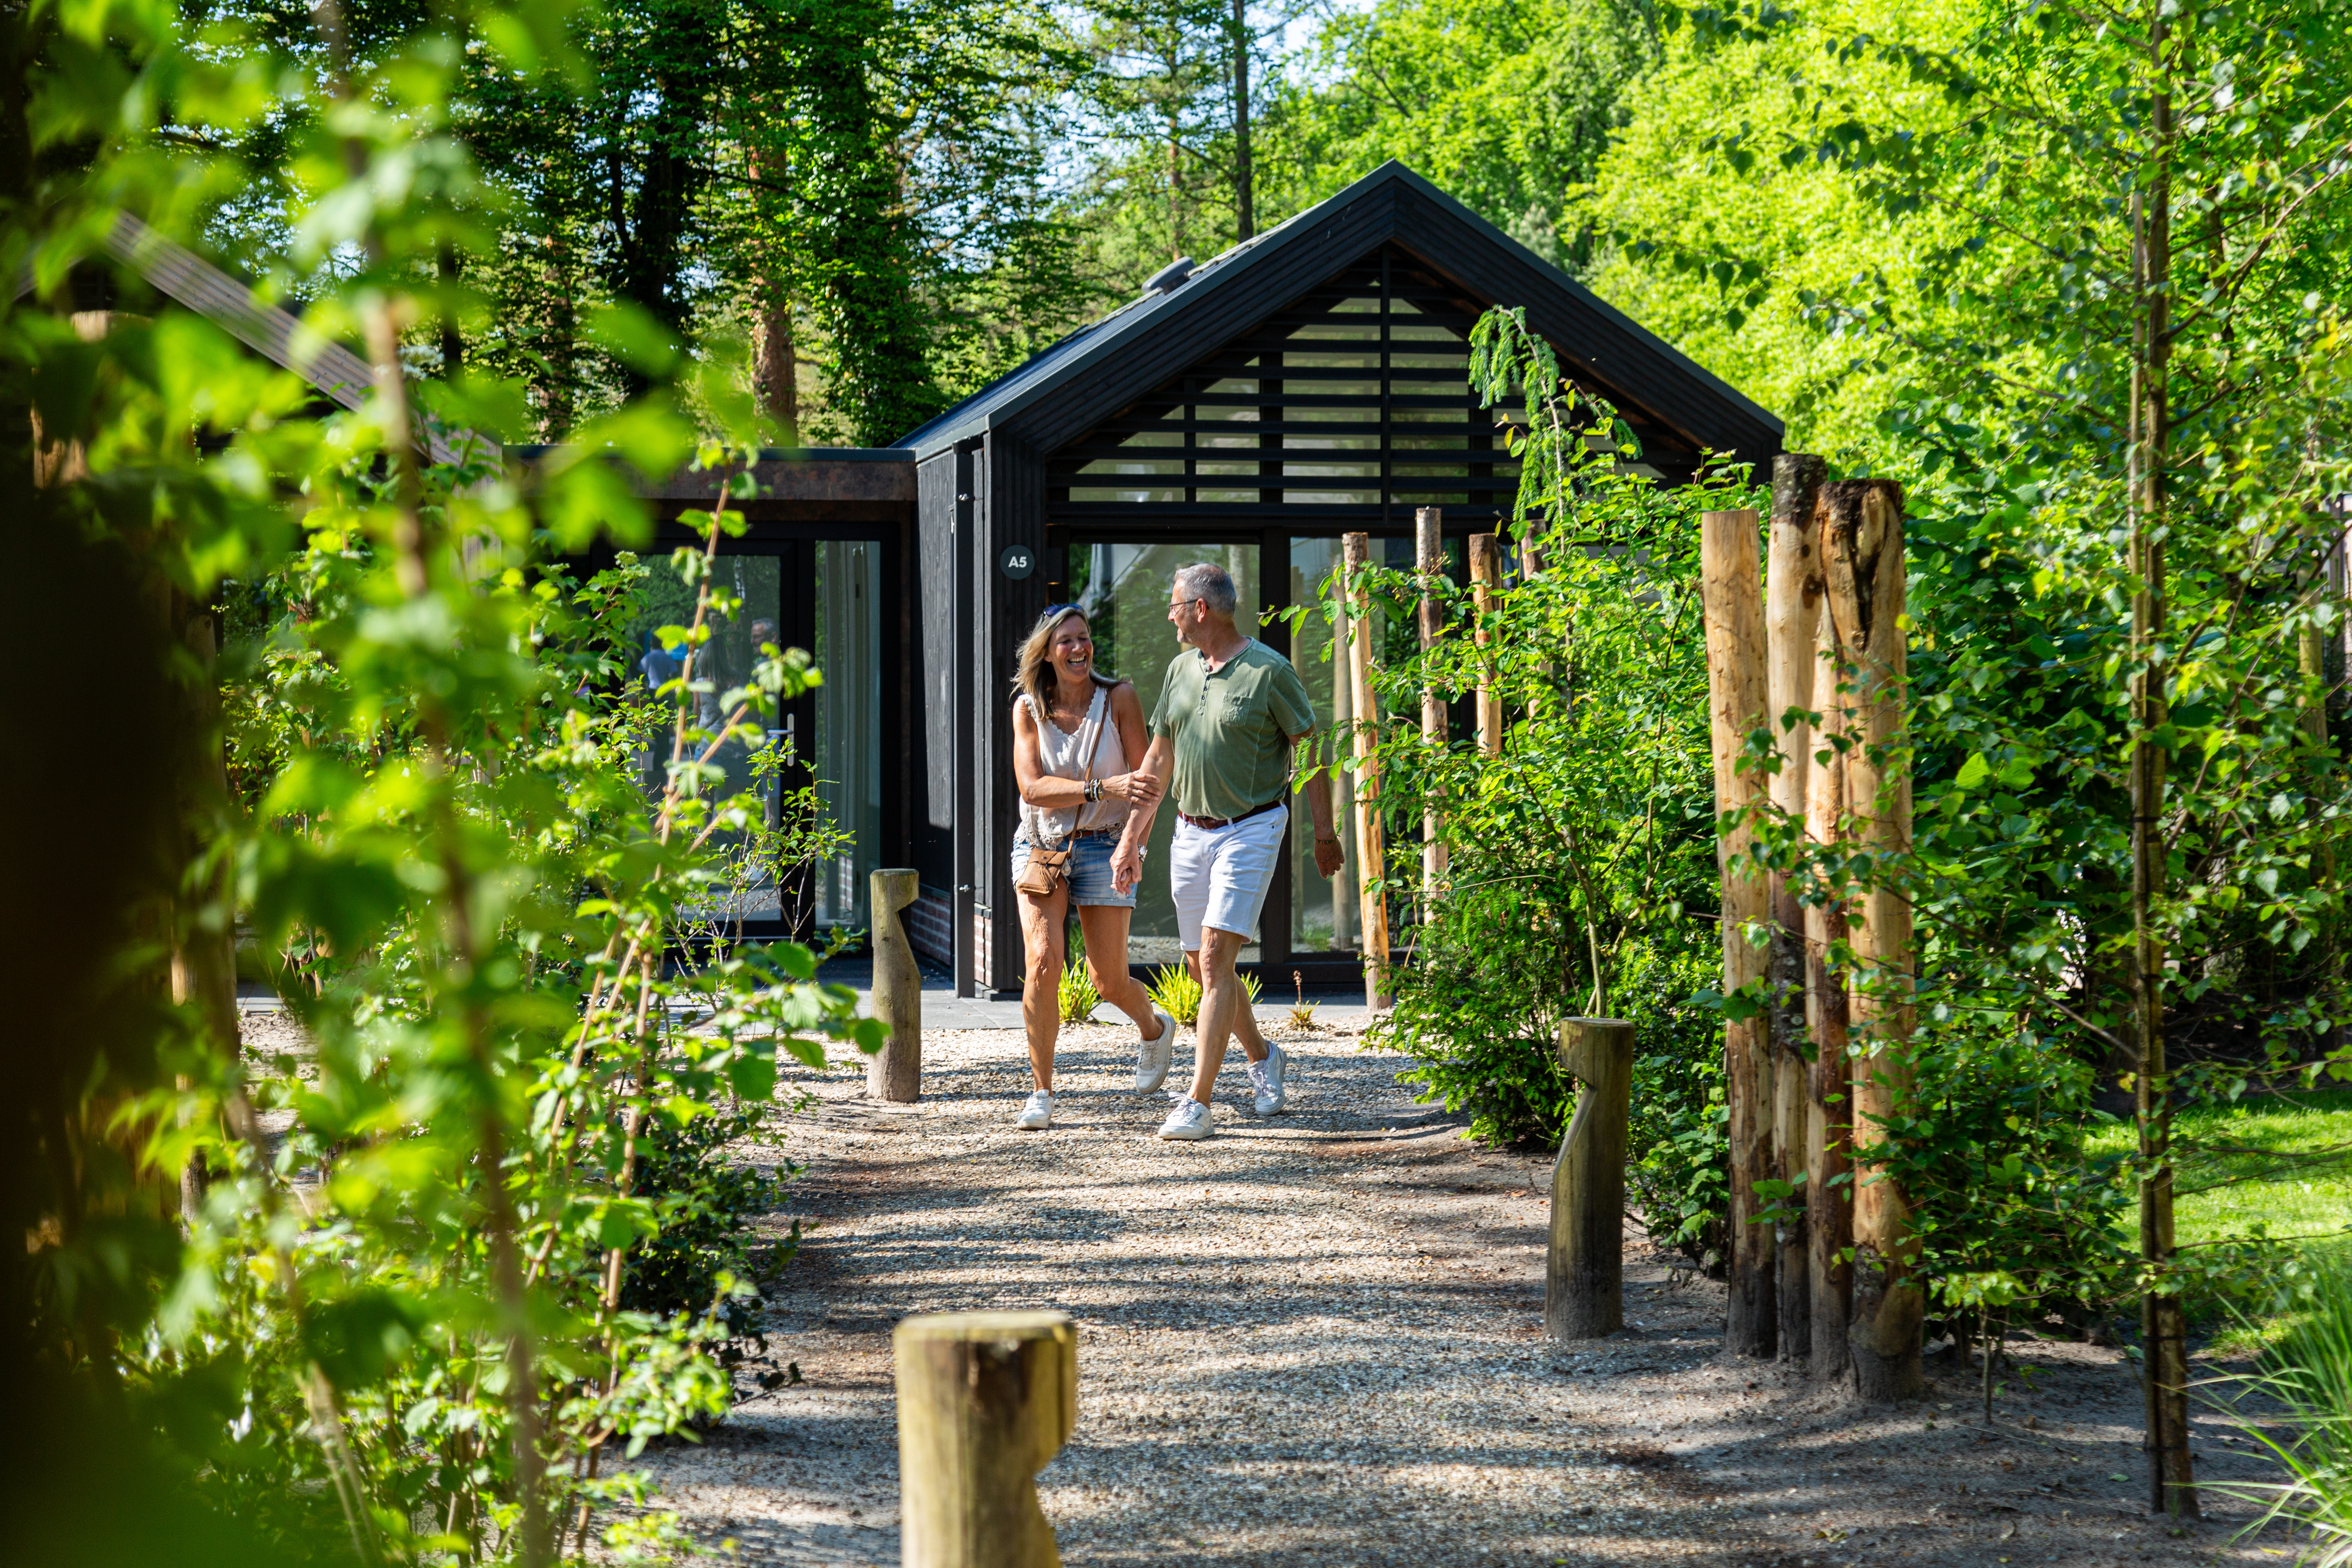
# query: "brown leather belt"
1215, 822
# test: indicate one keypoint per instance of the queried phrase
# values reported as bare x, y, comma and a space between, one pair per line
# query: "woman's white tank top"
1064, 755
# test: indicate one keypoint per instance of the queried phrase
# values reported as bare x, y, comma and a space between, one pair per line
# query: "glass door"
848, 760
825, 596
1124, 590
725, 663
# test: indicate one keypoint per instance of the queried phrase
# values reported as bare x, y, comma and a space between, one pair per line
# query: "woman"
1074, 732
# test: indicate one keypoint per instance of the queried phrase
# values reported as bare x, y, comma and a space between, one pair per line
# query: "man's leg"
1225, 1011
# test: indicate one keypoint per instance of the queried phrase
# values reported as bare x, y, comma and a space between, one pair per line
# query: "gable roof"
277, 335
1062, 392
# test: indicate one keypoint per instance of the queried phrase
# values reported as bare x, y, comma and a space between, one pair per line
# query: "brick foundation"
931, 927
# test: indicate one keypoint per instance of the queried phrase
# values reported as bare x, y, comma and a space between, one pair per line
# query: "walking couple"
1093, 773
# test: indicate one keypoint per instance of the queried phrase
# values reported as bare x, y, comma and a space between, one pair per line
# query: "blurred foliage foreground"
399, 1296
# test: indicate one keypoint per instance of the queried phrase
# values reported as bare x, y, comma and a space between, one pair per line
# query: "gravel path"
1316, 1339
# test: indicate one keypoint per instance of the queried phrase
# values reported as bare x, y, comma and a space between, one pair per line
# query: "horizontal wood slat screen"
1347, 409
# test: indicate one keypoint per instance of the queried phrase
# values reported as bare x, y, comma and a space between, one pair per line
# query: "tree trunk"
1371, 847
204, 928
1728, 578
2164, 1367
1244, 172
1862, 550
453, 340
1486, 584
1792, 601
1829, 1100
1429, 562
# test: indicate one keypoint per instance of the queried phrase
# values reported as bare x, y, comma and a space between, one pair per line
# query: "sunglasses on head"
1056, 612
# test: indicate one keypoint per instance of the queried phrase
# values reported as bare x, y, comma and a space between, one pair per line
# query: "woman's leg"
1106, 927
1042, 920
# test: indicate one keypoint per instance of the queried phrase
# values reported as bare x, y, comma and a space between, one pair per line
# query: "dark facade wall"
1014, 488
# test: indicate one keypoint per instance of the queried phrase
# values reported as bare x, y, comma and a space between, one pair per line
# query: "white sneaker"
1266, 1077
1188, 1123
1152, 1056
1037, 1112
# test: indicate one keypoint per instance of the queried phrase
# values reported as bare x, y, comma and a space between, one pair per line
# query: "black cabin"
1306, 384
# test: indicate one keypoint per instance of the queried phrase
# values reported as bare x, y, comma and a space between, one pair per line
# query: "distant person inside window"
1231, 713
1074, 729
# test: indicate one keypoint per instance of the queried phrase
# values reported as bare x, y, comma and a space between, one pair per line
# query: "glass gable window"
1351, 406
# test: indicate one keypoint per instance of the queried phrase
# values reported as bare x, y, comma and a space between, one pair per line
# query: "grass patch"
2280, 1165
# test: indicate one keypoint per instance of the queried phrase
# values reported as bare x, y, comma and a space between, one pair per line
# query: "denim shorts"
1088, 868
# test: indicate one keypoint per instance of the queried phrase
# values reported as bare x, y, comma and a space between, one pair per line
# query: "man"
1231, 712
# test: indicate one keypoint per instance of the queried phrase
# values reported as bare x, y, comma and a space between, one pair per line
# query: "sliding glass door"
1124, 589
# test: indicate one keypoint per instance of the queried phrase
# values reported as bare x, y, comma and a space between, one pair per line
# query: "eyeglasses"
1179, 603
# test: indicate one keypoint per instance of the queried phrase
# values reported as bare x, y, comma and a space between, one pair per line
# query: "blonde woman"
1073, 733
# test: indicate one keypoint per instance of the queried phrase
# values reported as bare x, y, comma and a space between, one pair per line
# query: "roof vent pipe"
1171, 277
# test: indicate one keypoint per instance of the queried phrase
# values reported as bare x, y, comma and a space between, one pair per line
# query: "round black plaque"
1017, 562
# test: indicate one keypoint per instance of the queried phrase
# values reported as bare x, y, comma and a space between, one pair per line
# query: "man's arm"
1127, 860
1330, 853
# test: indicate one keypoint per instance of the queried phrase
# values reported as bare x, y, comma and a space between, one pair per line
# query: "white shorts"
1219, 876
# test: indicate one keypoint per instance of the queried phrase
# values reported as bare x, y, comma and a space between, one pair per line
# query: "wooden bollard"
985, 1399
1584, 1275
895, 1072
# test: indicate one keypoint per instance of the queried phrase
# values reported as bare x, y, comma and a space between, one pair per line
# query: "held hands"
1136, 788
1126, 866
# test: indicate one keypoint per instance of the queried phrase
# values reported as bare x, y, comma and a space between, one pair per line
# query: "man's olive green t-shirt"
1233, 729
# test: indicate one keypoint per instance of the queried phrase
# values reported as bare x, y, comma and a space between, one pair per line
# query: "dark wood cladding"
1014, 482
887, 478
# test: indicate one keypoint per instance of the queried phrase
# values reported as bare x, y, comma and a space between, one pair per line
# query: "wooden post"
1829, 1100
1486, 586
895, 1072
1792, 611
1371, 845
1429, 563
1862, 547
985, 1399
1584, 1295
1729, 580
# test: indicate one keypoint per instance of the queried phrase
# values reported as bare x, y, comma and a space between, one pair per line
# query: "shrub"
1176, 993
2310, 1374
707, 1204
1076, 996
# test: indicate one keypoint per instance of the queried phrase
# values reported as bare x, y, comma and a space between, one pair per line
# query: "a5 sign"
1017, 562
